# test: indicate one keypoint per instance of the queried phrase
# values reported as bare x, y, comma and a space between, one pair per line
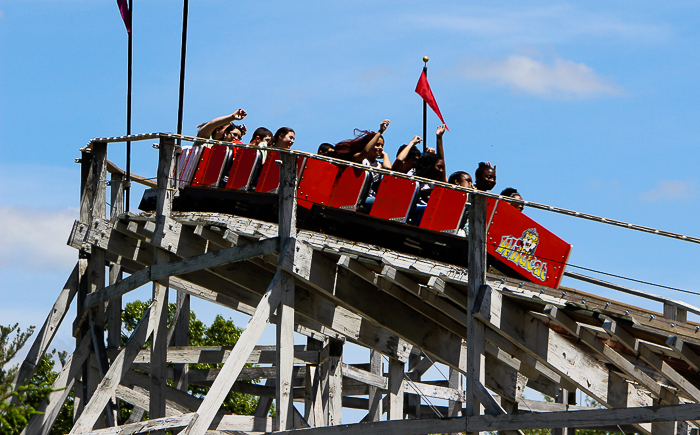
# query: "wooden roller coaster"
424, 298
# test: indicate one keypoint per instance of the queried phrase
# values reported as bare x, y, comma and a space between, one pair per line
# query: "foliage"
14, 414
221, 332
16, 407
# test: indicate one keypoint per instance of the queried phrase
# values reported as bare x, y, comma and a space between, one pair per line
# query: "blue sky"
590, 106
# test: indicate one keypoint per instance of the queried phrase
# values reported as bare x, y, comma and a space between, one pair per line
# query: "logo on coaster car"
521, 251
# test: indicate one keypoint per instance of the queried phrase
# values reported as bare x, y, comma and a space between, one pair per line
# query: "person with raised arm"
407, 156
366, 145
222, 128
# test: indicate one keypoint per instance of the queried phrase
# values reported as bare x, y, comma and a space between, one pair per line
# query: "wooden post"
414, 399
454, 407
396, 390
114, 307
476, 278
159, 340
335, 382
86, 196
619, 393
672, 312
569, 398
93, 205
375, 394
666, 427
287, 227
181, 337
313, 405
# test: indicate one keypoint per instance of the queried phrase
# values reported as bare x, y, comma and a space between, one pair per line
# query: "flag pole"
183, 52
425, 108
127, 186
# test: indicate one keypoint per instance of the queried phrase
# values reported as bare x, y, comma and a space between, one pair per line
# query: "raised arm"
207, 129
440, 131
359, 157
399, 163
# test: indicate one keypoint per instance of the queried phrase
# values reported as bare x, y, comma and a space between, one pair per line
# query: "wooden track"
640, 366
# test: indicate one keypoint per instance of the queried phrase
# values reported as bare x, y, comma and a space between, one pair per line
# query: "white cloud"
540, 25
561, 79
35, 239
672, 190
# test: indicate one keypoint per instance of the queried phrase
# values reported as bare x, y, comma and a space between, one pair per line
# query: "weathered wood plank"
159, 347
396, 390
221, 354
375, 396
145, 427
52, 404
233, 366
48, 330
476, 374
507, 319
181, 267
284, 417
116, 371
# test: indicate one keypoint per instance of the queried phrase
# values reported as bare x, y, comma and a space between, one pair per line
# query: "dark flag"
126, 14
423, 89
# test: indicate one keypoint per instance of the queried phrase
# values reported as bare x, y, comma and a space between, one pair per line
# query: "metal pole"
425, 109
183, 52
127, 188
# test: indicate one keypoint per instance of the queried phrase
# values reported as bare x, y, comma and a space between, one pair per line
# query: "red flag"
423, 89
126, 14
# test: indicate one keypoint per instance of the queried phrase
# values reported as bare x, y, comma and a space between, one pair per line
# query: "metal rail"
532, 204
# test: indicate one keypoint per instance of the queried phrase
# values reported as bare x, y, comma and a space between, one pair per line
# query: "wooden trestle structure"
498, 334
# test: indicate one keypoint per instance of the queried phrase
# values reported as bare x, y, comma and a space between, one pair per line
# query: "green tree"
221, 332
16, 407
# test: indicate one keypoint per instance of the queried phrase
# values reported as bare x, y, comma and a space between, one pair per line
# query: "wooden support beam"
40, 424
396, 390
48, 330
284, 417
116, 371
313, 405
580, 419
221, 355
353, 291
517, 328
159, 349
414, 400
333, 393
375, 396
233, 366
181, 336
682, 351
181, 267
476, 290
287, 231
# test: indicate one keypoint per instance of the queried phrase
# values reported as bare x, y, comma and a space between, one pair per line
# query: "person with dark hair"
407, 156
511, 192
283, 138
260, 135
363, 145
326, 149
237, 132
222, 128
431, 166
485, 176
461, 178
